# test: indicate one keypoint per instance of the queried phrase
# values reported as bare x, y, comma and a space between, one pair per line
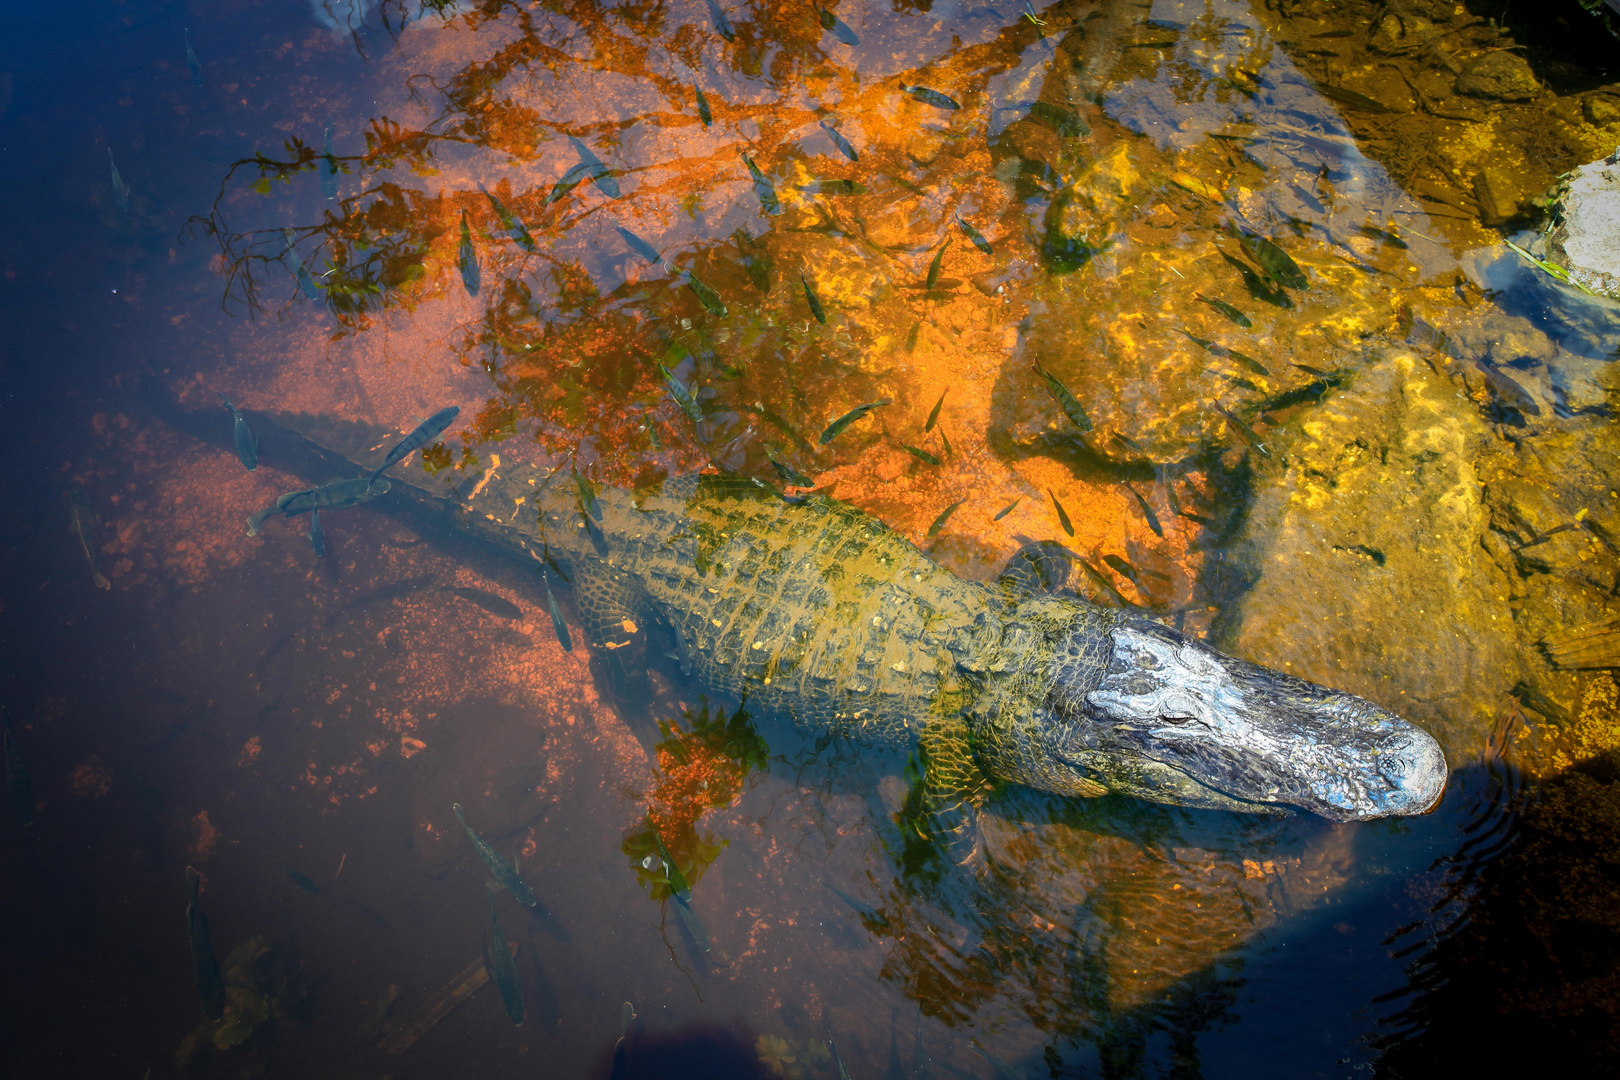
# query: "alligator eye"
1177, 709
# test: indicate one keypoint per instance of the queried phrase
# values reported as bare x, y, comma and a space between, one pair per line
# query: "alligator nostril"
1415, 769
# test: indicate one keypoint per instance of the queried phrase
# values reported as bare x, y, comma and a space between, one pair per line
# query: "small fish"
558, 624
763, 187
1066, 123
974, 235
513, 224
1318, 372
424, 433
317, 535
1176, 509
338, 495
84, 519
192, 63
835, 428
495, 605
722, 25
1247, 361
1124, 568
1063, 515
204, 968
499, 869
306, 281
689, 919
921, 455
1060, 394
935, 266
1385, 236
587, 497
814, 301
683, 397
637, 244
1273, 260
837, 27
1005, 510
1244, 430
247, 447
1257, 286
1508, 389
706, 296
19, 785
944, 516
568, 182
506, 974
329, 165
120, 189
787, 472
930, 97
833, 187
933, 414
1103, 580
911, 336
596, 169
843, 1073
300, 880
1147, 511
672, 871
705, 114
840, 142
467, 259
1350, 97
754, 261
1226, 309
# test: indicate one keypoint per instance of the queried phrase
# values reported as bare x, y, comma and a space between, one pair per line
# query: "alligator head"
1174, 721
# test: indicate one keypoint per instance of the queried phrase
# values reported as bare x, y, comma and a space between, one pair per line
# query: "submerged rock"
1586, 240
1365, 556
1499, 76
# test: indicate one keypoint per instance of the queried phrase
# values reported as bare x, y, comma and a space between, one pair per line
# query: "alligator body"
817, 612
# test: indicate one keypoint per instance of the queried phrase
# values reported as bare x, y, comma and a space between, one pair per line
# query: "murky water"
1333, 423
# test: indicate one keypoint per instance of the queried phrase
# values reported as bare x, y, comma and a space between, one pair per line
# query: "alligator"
815, 612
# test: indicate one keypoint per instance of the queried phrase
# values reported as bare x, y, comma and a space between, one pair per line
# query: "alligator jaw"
1247, 734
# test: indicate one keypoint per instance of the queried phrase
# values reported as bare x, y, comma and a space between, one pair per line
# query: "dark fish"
194, 64
682, 396
835, 428
839, 141
933, 414
787, 472
1063, 515
722, 25
300, 880
814, 301
869, 915
557, 622
467, 259
706, 296
1066, 123
495, 605
946, 442
704, 113
204, 968
938, 263
1147, 512
425, 432
837, 27
568, 182
506, 975
1060, 394
338, 495
1175, 507
1508, 389
120, 189
1005, 510
974, 235
317, 535
911, 335
587, 497
1385, 236
930, 97
329, 165
1318, 372
1124, 568
596, 169
1244, 430
1273, 260
638, 245
306, 282
19, 785
944, 516
921, 455
1257, 286
1226, 309
763, 187
1107, 585
1350, 97
247, 447
1239, 381
672, 871
843, 1073
689, 919
83, 519
1245, 360
375, 918
511, 222
756, 264
499, 869
833, 187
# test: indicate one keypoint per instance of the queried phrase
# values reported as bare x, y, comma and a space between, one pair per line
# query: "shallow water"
1394, 474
